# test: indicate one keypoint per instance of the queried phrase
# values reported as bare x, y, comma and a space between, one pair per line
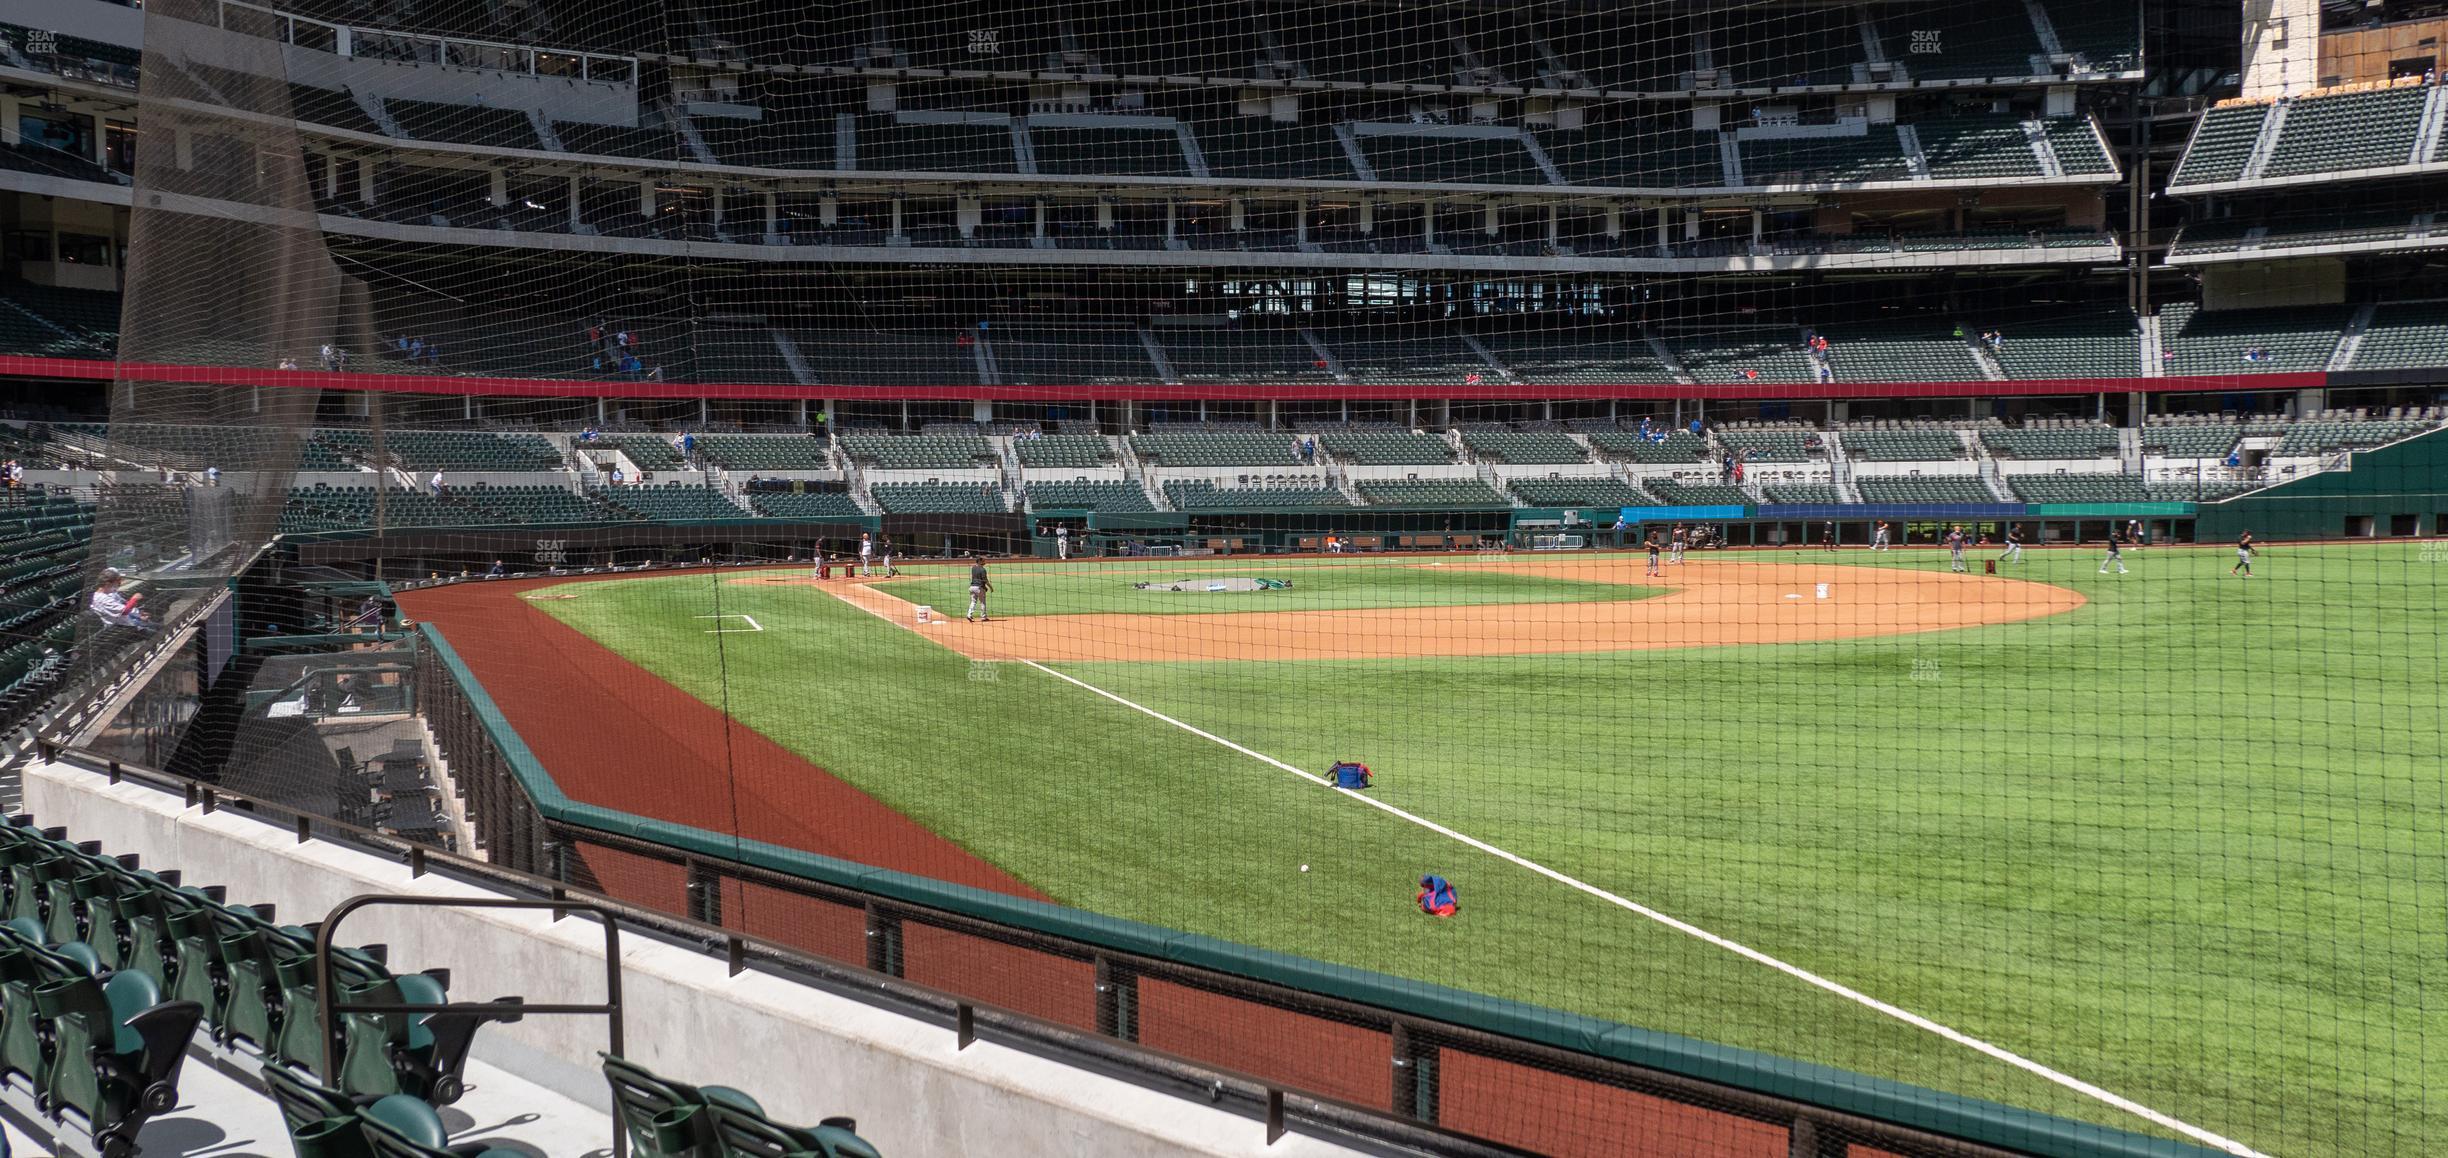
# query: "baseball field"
2162, 850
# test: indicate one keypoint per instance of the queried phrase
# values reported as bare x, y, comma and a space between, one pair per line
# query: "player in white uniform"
1878, 539
2244, 555
2116, 557
866, 554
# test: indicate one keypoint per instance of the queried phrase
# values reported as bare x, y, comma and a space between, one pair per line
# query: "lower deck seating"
1192, 495
1678, 494
1945, 488
1802, 493
805, 505
939, 498
2078, 488
674, 503
1578, 492
1461, 492
669, 1119
1088, 495
132, 962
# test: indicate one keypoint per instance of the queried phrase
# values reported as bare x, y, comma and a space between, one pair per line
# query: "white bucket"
926, 614
1823, 590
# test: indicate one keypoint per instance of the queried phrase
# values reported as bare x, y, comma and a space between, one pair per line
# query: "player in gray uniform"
1878, 541
979, 589
1680, 536
2244, 555
1955, 549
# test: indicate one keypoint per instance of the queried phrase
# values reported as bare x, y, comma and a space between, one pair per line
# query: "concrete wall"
2281, 46
802, 1052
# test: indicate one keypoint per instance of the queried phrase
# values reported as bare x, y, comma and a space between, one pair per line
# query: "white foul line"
1688, 929
753, 625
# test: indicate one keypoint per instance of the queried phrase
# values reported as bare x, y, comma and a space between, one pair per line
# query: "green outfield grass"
1325, 585
2185, 842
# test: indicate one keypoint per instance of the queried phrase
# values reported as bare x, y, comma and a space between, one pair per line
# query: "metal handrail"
330, 1007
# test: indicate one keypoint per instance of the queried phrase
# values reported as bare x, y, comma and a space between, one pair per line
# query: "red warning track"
616, 735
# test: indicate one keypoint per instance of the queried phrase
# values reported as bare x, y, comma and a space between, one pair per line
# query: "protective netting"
1774, 496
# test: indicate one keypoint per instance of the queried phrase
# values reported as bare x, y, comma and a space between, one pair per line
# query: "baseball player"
889, 572
1878, 539
866, 554
1062, 542
979, 589
2014, 544
1955, 549
1653, 555
2244, 556
2116, 557
1680, 535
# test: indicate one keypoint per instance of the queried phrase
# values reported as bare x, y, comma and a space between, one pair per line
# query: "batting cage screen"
1876, 618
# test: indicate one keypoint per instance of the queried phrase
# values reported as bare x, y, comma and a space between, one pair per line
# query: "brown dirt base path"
616, 735
1708, 603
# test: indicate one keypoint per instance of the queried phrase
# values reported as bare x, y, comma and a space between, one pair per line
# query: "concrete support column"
1664, 241
646, 198
1554, 229
497, 188
365, 178
1614, 221
101, 141
1236, 215
1300, 221
1428, 223
773, 218
1041, 220
718, 205
828, 211
1759, 222
1104, 216
8, 122
1172, 217
1691, 225
1368, 217
1492, 221
896, 232
573, 203
331, 176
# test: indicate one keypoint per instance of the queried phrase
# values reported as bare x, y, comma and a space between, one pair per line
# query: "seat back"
741, 1133
400, 1126
302, 1100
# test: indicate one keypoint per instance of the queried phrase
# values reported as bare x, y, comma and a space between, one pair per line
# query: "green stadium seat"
1677, 494
808, 505
756, 452
1070, 451
1387, 447
1454, 493
2088, 440
1088, 495
938, 498
1200, 495
1923, 489
400, 1126
1524, 448
2365, 130
1921, 445
2078, 488
673, 503
1678, 447
1820, 493
1214, 450
1772, 445
1578, 491
919, 451
2222, 145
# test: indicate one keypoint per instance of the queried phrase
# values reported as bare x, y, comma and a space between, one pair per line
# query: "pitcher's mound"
1235, 583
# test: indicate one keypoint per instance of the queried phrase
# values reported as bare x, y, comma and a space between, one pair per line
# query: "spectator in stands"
587, 435
369, 613
616, 476
212, 476
1695, 427
11, 476
435, 483
329, 357
496, 571
113, 608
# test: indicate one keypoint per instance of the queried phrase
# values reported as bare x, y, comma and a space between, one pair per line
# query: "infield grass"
1327, 585
2185, 842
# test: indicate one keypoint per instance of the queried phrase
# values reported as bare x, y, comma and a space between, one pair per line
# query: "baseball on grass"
1304, 868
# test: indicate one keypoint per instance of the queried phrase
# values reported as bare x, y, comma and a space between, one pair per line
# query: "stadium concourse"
1882, 554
